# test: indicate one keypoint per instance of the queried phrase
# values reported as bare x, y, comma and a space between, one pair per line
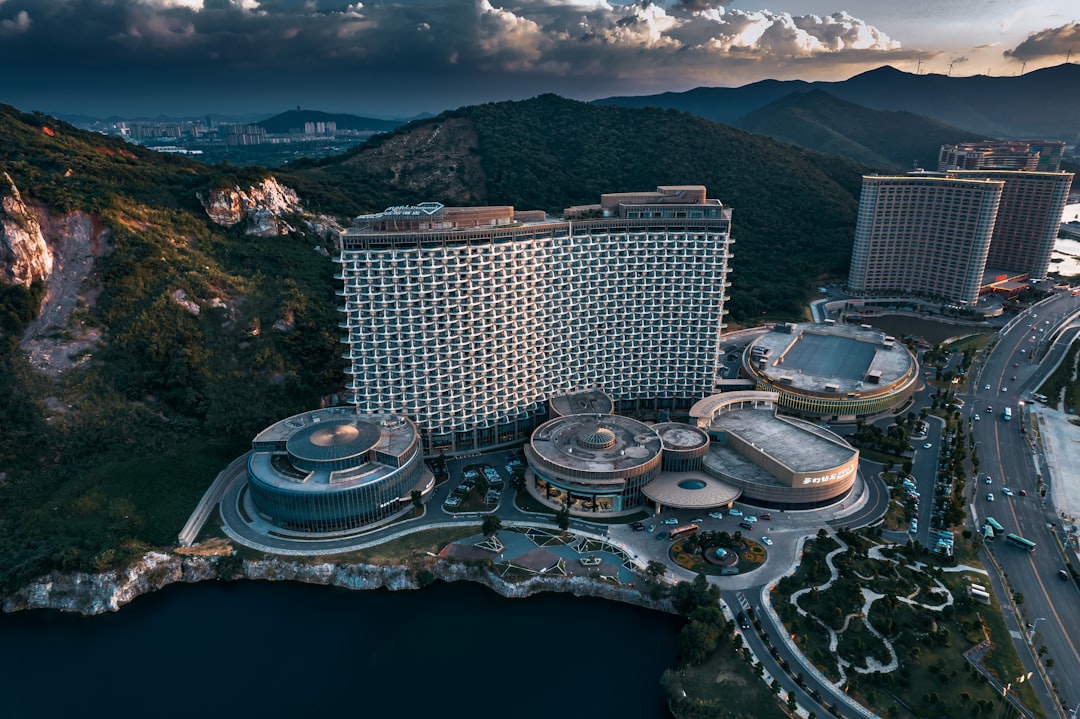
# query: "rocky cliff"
106, 592
261, 207
24, 254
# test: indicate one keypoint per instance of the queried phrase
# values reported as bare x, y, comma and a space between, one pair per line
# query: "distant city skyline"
143, 58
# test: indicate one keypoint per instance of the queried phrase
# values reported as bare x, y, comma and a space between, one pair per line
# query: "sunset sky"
192, 57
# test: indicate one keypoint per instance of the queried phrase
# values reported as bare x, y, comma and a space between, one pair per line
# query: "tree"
416, 498
562, 518
655, 569
492, 524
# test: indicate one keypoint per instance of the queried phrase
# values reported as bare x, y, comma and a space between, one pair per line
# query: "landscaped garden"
717, 553
892, 624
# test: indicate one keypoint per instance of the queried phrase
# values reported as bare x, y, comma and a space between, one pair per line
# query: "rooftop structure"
593, 462
774, 461
329, 469
833, 371
469, 319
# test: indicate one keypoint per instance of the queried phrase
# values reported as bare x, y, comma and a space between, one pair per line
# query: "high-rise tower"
924, 236
468, 319
1028, 219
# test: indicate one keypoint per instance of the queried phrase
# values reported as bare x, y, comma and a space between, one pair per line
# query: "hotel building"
1028, 219
1040, 155
923, 235
468, 319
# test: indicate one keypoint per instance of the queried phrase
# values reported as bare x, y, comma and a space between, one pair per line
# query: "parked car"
976, 418
746, 525
670, 520
766, 515
914, 526
716, 515
637, 526
735, 512
699, 520
750, 518
1063, 575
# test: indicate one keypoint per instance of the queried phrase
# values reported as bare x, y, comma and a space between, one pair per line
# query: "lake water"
277, 649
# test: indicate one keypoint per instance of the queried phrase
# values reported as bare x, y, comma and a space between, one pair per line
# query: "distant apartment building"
1028, 219
923, 235
320, 128
1033, 155
468, 319
244, 135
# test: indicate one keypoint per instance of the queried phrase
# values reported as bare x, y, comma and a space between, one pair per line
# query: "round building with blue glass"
333, 469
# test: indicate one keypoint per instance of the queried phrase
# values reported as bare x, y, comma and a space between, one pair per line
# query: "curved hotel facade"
923, 236
469, 319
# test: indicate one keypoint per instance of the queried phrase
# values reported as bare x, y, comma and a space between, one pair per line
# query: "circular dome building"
592, 462
839, 372
332, 469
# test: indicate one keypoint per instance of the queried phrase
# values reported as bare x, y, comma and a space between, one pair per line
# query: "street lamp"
1031, 632
1074, 711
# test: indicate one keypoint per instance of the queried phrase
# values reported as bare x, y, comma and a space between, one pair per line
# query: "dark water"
932, 331
268, 649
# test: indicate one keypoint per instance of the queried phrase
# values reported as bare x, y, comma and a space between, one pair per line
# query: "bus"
988, 533
1007, 414
680, 532
1020, 542
993, 524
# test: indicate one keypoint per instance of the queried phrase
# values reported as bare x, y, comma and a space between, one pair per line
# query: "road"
1024, 355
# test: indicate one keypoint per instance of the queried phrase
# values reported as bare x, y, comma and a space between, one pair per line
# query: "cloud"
1051, 42
19, 24
582, 47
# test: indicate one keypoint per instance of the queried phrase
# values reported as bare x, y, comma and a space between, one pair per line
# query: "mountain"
720, 104
156, 313
1041, 104
294, 120
886, 139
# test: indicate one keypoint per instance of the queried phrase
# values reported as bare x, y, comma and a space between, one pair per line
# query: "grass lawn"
401, 550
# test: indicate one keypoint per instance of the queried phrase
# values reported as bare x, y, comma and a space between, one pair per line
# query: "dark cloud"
1055, 41
410, 55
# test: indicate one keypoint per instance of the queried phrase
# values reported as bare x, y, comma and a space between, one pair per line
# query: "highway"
1023, 356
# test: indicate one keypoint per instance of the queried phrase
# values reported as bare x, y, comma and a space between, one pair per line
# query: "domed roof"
599, 438
332, 440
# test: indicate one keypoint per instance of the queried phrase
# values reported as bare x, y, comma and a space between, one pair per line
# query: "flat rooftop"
800, 446
831, 359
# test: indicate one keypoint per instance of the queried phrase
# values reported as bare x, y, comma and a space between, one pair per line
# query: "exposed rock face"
261, 207
24, 254
107, 592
